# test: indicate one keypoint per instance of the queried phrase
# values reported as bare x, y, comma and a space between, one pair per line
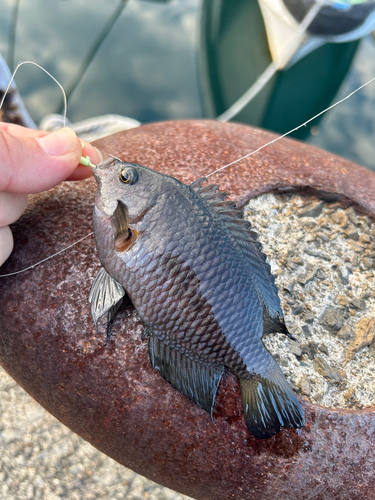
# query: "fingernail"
59, 143
100, 156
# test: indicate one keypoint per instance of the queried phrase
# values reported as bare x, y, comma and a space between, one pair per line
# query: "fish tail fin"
269, 403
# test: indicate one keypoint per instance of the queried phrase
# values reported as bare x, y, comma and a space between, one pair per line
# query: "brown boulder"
111, 396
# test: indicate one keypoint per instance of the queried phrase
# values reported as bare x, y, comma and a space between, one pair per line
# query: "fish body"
195, 273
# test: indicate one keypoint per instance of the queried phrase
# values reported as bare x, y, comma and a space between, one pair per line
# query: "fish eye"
128, 175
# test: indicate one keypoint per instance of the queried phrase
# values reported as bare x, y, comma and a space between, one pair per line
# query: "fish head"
135, 186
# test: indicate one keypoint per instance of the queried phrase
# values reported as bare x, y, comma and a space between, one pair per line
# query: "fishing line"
293, 130
84, 161
47, 258
45, 71
270, 71
211, 173
12, 34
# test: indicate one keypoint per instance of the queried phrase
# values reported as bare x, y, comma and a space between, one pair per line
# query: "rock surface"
111, 396
327, 294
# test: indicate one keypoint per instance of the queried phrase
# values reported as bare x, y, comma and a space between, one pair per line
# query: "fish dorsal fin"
198, 382
106, 295
247, 239
227, 210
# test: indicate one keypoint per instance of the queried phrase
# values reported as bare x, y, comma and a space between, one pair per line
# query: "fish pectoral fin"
269, 403
196, 381
106, 296
125, 237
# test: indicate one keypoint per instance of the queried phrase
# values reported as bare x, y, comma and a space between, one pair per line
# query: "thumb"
34, 164
6, 243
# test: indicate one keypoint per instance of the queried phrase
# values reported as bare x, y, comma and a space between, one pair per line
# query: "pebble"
314, 253
310, 349
324, 349
342, 299
308, 275
367, 263
309, 317
352, 215
344, 274
295, 349
306, 329
354, 235
345, 333
349, 393
314, 209
363, 336
304, 385
290, 287
298, 310
326, 282
355, 246
365, 238
357, 304
332, 318
328, 371
299, 261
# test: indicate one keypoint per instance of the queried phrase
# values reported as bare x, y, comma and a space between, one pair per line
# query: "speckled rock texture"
111, 396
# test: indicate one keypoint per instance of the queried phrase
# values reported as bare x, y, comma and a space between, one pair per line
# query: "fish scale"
195, 273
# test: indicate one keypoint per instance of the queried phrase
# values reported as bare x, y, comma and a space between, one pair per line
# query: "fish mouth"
100, 167
104, 201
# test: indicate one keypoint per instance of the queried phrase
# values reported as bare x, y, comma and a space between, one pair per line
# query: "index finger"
19, 131
35, 164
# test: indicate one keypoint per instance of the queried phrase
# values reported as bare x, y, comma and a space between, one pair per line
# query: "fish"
194, 270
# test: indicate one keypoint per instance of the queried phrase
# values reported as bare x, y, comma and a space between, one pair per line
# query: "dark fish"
195, 273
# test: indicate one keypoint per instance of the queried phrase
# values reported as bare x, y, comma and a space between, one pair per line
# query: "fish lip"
103, 165
107, 163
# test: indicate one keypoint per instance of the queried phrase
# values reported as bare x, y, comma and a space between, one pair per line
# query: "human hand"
32, 161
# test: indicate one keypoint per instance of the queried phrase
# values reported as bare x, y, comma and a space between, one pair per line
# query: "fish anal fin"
196, 381
270, 404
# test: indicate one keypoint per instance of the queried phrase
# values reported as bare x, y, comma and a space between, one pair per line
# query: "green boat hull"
234, 53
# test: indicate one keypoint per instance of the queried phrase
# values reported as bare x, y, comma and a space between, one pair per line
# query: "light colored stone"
363, 336
342, 299
355, 246
345, 333
327, 371
304, 385
332, 319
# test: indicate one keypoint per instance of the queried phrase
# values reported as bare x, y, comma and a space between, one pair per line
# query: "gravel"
322, 255
42, 459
